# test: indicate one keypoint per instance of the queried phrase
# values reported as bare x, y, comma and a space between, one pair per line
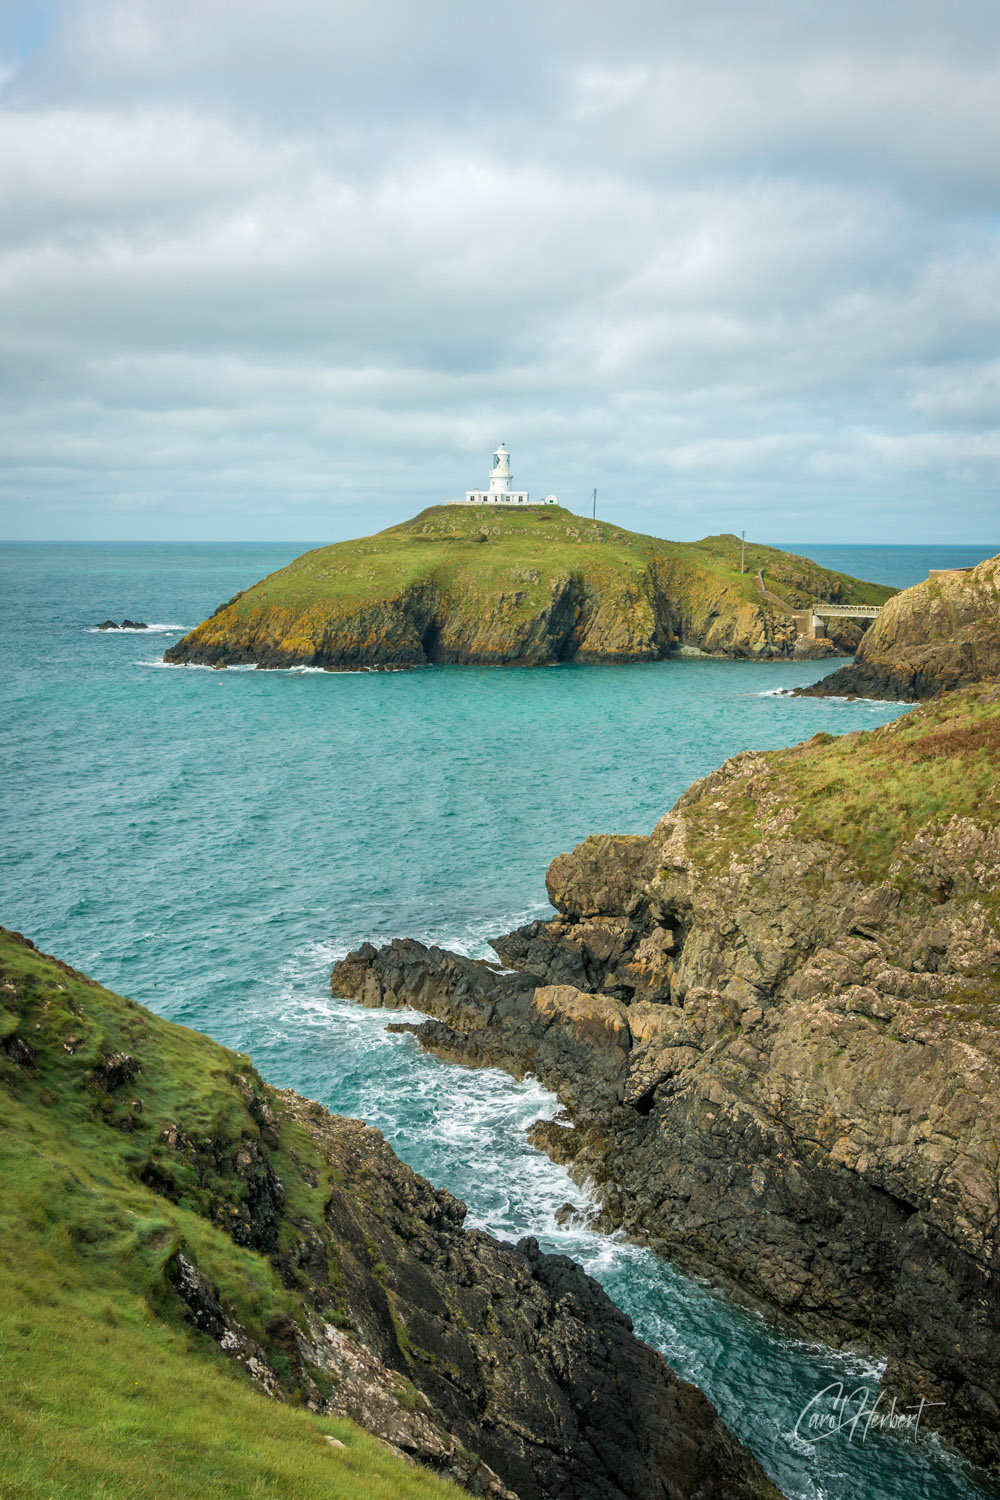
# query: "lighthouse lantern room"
501, 491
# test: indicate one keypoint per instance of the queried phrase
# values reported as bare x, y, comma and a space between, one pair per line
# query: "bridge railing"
805, 618
856, 611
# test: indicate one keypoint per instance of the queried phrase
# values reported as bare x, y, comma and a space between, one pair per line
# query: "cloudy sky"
290, 269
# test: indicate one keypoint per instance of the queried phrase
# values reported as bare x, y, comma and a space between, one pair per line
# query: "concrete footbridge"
849, 611
809, 622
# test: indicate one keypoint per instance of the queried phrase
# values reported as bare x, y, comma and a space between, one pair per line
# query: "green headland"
525, 587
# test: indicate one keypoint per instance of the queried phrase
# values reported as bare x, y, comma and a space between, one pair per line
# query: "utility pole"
594, 516
743, 553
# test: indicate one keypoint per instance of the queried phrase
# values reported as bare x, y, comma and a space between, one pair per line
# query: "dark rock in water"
125, 625
773, 1029
108, 625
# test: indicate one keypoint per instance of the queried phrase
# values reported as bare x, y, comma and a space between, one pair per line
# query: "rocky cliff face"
772, 1025
941, 635
528, 588
298, 1244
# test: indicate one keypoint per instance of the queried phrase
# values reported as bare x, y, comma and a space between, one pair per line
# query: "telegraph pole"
594, 515
743, 553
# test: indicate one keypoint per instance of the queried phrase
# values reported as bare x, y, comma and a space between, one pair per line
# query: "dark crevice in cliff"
897, 1206
430, 641
643, 1105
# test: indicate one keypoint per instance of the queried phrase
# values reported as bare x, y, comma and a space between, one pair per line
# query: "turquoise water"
208, 842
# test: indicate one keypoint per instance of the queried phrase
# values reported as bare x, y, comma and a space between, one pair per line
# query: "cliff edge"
223, 1286
940, 635
477, 586
773, 1027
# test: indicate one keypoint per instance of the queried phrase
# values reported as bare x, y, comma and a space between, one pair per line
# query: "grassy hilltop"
477, 585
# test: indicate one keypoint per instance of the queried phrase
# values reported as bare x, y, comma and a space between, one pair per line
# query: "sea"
209, 842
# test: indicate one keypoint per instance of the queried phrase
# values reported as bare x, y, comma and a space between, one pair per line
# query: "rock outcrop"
938, 636
523, 588
297, 1243
773, 1028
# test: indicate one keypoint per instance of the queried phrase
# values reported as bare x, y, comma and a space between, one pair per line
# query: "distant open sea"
208, 842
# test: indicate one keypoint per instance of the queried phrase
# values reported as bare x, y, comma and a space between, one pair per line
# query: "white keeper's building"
501, 491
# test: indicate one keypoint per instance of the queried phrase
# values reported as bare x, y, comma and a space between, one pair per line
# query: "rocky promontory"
524, 587
940, 635
774, 1028
164, 1208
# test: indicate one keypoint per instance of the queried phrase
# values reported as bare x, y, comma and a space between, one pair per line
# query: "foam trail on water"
153, 628
199, 666
192, 666
464, 1129
837, 698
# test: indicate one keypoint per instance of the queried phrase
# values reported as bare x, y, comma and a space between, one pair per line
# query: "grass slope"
467, 550
106, 1393
872, 791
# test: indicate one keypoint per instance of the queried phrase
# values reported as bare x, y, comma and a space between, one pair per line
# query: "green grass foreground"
106, 1393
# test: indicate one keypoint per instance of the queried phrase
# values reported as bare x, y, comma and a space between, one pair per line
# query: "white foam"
857, 702
336, 671
184, 666
154, 628
298, 671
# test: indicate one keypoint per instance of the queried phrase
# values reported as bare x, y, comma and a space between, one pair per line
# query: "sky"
275, 271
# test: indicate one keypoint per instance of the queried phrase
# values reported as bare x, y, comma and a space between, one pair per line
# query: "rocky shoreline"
939, 636
297, 1243
772, 1028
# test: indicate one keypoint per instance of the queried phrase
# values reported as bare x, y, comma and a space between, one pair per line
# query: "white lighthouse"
501, 491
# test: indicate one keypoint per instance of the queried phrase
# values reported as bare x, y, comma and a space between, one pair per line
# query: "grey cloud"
306, 263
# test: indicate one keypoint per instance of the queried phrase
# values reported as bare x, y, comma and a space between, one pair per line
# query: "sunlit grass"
872, 792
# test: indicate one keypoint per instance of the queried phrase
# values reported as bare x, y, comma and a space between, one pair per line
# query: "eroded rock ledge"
331, 1273
773, 1028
